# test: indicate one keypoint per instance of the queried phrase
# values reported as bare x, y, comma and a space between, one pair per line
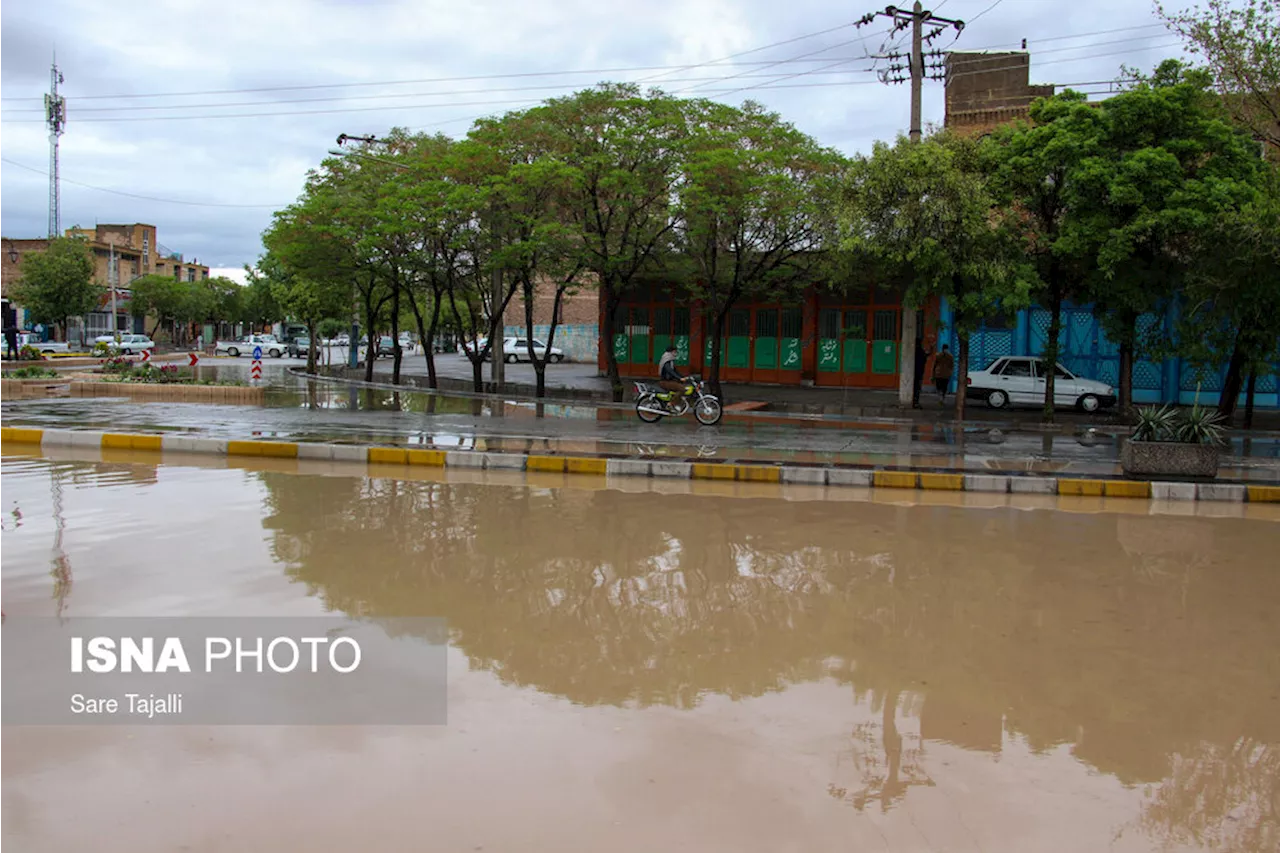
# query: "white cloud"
236, 274
232, 162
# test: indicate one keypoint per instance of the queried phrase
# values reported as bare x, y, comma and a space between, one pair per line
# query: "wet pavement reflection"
323, 411
641, 671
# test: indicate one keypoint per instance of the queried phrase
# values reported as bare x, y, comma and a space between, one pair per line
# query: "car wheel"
275, 353
510, 359
233, 352
126, 352
557, 358
1089, 403
997, 399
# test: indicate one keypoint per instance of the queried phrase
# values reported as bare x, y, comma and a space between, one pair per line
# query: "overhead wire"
135, 195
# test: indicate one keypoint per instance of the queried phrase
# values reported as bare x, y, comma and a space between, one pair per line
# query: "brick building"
986, 90
121, 253
577, 328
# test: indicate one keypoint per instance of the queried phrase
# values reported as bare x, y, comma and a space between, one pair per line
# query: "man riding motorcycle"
669, 378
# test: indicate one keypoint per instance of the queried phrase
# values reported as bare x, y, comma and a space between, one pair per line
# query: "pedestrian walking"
943, 366
11, 342
922, 356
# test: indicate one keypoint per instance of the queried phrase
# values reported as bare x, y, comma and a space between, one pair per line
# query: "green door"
792, 322
855, 341
884, 344
680, 331
738, 354
661, 331
639, 332
829, 340
766, 355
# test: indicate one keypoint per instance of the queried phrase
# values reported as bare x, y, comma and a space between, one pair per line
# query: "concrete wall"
579, 341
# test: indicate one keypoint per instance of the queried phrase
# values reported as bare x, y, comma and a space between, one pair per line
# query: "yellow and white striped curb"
632, 467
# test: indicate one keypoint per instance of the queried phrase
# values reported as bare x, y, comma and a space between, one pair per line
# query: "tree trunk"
1249, 390
370, 324
395, 330
551, 335
427, 336
1125, 387
1051, 352
311, 347
717, 335
539, 365
611, 301
1231, 384
962, 374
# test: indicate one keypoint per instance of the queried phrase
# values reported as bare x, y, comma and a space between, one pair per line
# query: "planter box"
1168, 459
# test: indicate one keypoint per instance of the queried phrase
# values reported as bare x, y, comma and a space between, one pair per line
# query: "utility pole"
497, 370
113, 281
55, 116
916, 19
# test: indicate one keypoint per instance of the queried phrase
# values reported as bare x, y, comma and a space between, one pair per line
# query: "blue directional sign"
257, 353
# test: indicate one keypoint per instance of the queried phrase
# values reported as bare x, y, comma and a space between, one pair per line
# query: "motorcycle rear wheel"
647, 417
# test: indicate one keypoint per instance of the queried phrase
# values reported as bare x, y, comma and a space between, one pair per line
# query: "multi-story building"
121, 253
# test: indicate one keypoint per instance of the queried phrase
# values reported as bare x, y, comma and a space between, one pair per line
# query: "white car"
517, 349
128, 344
1019, 380
26, 339
245, 346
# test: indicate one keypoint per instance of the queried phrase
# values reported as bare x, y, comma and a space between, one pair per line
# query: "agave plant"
1156, 424
1201, 426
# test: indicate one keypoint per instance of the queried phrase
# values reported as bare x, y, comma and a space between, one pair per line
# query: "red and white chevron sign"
193, 358
146, 355
256, 371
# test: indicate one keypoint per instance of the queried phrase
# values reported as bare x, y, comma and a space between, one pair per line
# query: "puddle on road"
643, 671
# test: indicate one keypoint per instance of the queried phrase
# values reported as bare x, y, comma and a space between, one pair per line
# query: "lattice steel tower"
55, 115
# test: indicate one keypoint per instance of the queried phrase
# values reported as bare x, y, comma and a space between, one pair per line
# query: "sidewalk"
580, 383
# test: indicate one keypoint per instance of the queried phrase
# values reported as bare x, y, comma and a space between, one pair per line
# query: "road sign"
146, 355
193, 358
255, 372
257, 353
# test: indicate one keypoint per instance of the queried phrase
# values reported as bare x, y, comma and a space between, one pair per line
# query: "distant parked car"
1019, 380
468, 346
299, 346
128, 344
517, 349
245, 346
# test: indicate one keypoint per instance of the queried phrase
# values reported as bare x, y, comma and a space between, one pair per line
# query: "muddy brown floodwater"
633, 671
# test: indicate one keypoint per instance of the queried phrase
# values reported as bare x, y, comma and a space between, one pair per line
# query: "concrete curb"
880, 479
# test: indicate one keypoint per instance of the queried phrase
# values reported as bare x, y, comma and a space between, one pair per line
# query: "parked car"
517, 349
1019, 380
28, 339
298, 347
466, 345
270, 346
128, 344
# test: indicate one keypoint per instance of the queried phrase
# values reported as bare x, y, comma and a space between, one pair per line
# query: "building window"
191, 274
205, 275
146, 249
177, 272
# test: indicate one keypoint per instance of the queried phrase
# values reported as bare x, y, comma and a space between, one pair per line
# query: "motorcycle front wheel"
647, 417
707, 410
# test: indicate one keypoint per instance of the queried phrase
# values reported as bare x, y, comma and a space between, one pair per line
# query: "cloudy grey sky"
257, 90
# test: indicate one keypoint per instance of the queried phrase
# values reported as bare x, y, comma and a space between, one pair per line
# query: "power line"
752, 50
984, 11
135, 195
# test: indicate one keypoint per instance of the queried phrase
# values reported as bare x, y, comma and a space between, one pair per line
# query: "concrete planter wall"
226, 395
1168, 459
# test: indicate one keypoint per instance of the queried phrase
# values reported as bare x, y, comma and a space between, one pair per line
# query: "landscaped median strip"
642, 467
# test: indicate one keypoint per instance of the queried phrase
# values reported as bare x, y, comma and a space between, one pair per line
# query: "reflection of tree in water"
888, 768
1222, 797
1066, 629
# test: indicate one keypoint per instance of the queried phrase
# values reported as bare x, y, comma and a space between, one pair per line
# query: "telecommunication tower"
55, 115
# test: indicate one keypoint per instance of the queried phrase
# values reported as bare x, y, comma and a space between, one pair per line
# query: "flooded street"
638, 670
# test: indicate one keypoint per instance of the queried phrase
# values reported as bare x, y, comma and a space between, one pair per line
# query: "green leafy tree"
1232, 294
626, 148
753, 197
1165, 166
923, 212
160, 297
1032, 171
302, 298
57, 284
1240, 44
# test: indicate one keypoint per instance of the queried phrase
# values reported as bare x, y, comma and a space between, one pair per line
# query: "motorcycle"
653, 403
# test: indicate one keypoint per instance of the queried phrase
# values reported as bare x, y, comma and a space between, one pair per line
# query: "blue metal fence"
1086, 351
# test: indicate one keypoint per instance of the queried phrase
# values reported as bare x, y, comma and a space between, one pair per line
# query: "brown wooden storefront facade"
851, 339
